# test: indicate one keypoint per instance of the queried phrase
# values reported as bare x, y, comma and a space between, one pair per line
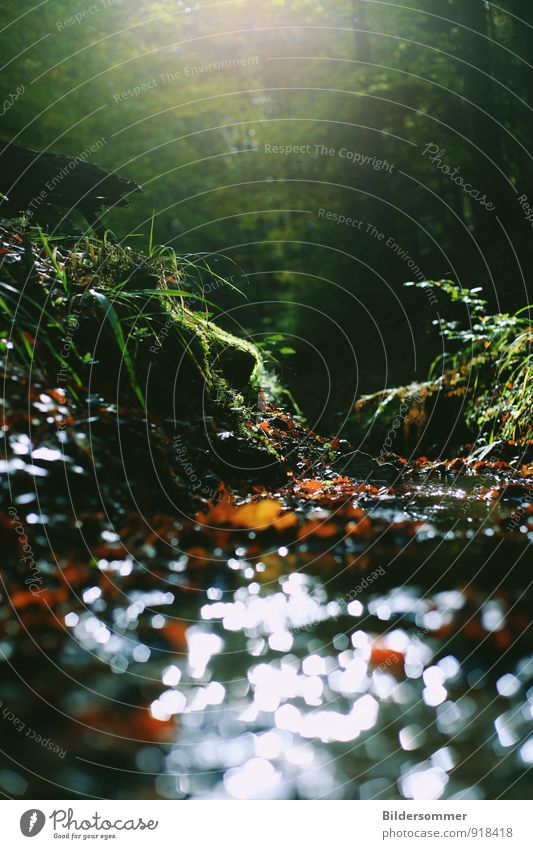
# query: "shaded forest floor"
202, 598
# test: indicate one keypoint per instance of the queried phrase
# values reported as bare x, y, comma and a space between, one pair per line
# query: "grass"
135, 311
492, 354
480, 390
111, 315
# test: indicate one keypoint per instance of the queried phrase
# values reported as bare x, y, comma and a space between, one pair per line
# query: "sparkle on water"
283, 692
300, 672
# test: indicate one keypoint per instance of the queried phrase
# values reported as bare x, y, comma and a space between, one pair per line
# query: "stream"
331, 635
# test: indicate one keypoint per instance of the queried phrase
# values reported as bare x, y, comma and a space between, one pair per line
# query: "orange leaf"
316, 528
256, 515
174, 632
383, 656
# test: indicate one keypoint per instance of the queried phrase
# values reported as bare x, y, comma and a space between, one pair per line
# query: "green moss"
139, 325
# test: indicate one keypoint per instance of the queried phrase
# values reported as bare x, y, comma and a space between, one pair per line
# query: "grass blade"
114, 321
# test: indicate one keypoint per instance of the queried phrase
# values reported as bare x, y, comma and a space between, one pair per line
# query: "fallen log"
38, 184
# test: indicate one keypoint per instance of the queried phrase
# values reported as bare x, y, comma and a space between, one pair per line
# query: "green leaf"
114, 320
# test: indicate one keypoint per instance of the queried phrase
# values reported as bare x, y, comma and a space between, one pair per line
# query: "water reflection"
358, 652
366, 702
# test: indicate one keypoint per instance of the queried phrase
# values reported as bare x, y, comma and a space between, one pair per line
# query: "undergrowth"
491, 354
91, 313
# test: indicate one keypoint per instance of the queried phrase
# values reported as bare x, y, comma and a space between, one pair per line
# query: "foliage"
492, 354
160, 88
90, 308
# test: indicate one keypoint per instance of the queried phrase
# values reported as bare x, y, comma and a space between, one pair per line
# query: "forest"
265, 343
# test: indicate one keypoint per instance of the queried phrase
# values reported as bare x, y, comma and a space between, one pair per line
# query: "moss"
140, 334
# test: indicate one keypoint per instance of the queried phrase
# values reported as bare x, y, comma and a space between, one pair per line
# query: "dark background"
381, 79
